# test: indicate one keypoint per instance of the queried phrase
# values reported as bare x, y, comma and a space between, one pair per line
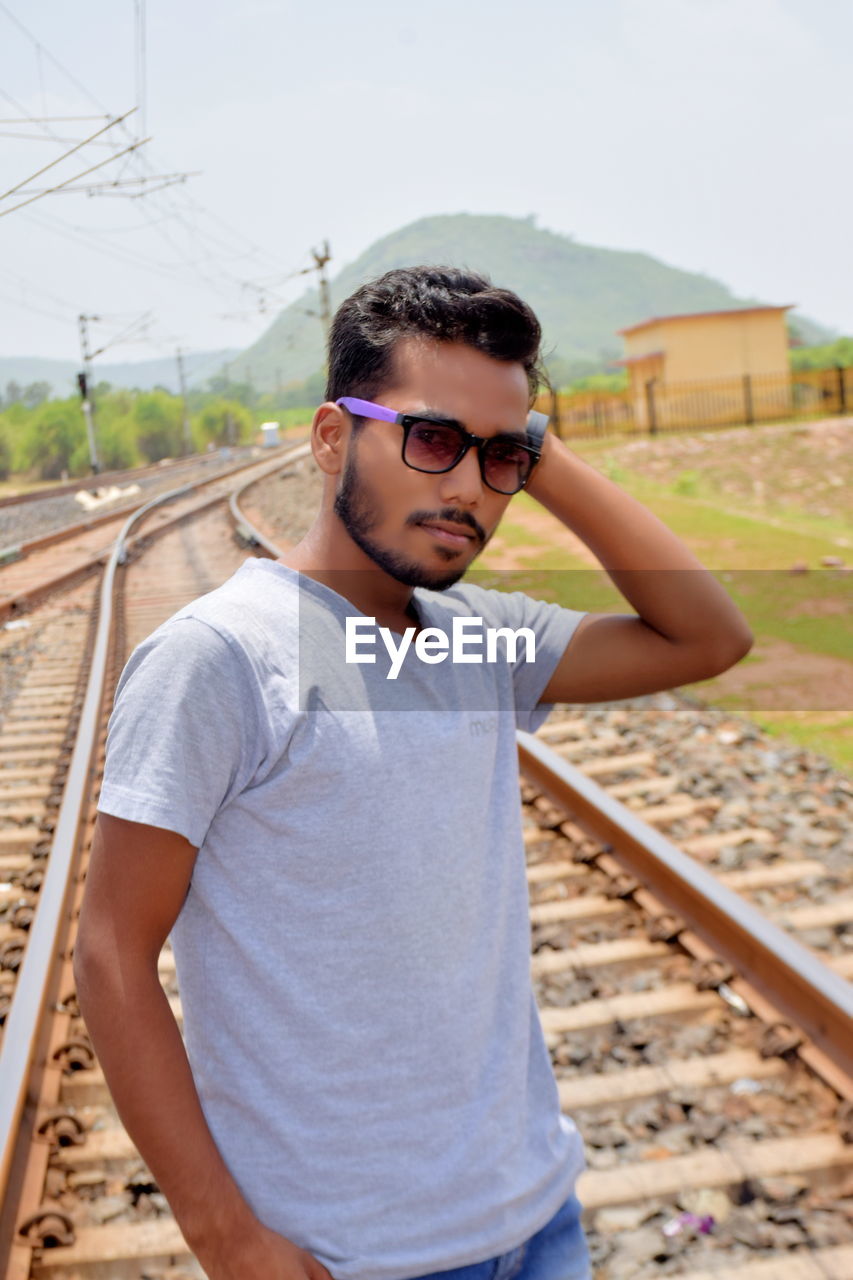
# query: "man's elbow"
91, 967
730, 649
101, 967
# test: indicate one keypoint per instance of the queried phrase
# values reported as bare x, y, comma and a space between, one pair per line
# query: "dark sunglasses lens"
507, 465
432, 446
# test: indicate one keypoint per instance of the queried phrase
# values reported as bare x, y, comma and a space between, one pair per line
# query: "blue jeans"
557, 1252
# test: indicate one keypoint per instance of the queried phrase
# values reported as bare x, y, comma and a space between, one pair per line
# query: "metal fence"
656, 406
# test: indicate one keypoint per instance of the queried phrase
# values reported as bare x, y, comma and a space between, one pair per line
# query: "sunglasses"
435, 446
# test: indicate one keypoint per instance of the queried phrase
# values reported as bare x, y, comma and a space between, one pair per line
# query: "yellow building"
709, 366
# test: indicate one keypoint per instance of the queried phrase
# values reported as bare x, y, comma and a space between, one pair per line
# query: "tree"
5, 451
159, 421
829, 356
35, 394
223, 422
54, 440
117, 431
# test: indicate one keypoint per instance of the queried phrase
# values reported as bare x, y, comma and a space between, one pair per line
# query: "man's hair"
446, 304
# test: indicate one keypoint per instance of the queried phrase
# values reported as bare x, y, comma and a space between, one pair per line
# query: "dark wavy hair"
447, 304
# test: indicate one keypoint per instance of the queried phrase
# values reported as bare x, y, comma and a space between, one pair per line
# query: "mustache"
451, 516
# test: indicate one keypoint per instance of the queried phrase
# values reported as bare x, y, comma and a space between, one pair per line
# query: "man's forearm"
145, 1065
669, 588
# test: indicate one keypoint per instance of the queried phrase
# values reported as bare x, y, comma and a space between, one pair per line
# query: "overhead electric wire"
50, 190
27, 285
68, 74
29, 306
141, 322
48, 133
54, 119
103, 188
43, 137
181, 207
251, 249
65, 156
117, 253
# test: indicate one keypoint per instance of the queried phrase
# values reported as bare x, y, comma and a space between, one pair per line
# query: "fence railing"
654, 406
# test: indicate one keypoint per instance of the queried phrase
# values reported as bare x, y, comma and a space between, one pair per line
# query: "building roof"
702, 315
647, 355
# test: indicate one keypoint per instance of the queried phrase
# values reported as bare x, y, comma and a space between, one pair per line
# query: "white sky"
714, 134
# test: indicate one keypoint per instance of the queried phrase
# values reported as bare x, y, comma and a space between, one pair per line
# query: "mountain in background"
582, 294
143, 375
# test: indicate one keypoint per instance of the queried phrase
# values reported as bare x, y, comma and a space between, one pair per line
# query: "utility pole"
321, 258
84, 381
188, 445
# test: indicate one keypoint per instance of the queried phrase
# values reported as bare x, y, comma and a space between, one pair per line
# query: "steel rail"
103, 477
787, 974
19, 550
249, 532
21, 1040
30, 595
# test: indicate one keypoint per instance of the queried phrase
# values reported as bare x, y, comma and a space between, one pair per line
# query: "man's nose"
464, 483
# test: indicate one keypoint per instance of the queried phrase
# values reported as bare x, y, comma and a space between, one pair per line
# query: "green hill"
582, 294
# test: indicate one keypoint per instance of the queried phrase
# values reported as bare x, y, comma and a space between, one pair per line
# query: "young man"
319, 792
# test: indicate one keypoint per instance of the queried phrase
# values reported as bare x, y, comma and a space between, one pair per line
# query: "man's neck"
338, 563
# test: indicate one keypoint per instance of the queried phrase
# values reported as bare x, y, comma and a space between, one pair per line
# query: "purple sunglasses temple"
536, 422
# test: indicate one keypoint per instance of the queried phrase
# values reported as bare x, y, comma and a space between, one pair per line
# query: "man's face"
424, 529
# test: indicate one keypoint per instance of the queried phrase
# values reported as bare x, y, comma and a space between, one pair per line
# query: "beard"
359, 511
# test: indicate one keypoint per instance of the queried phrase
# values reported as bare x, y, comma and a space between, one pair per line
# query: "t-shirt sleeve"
553, 627
184, 735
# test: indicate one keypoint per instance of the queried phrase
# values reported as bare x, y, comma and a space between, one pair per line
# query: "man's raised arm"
687, 629
137, 881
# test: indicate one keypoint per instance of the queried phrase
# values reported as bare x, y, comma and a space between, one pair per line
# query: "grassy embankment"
797, 679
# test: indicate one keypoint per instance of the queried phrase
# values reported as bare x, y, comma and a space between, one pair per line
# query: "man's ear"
330, 432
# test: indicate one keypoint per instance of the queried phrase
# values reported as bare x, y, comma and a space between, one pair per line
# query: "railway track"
63, 547
25, 515
710, 1079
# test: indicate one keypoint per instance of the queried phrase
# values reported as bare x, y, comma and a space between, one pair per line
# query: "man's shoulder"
245, 619
251, 605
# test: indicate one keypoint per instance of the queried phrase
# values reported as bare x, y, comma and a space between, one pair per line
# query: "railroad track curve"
57, 545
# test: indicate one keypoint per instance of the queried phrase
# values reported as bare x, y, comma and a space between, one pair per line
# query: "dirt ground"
801, 466
544, 529
781, 677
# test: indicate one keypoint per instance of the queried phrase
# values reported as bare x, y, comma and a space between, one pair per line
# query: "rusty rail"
779, 967
22, 1039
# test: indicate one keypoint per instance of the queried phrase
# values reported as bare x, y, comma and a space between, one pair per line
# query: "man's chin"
429, 578
408, 569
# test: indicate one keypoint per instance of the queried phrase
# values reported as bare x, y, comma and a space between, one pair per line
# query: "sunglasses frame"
536, 426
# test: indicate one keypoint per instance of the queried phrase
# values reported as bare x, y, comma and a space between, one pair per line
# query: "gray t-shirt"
353, 953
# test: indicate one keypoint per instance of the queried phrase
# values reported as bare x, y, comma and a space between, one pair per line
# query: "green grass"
691, 483
831, 737
727, 539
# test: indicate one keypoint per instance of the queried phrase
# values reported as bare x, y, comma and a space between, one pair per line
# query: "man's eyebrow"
436, 415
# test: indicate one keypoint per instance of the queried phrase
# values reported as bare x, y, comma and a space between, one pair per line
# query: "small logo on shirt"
485, 724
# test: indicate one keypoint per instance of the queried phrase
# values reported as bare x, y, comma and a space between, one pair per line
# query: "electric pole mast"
84, 381
188, 445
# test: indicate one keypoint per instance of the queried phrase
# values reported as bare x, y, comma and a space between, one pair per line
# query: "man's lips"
453, 535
